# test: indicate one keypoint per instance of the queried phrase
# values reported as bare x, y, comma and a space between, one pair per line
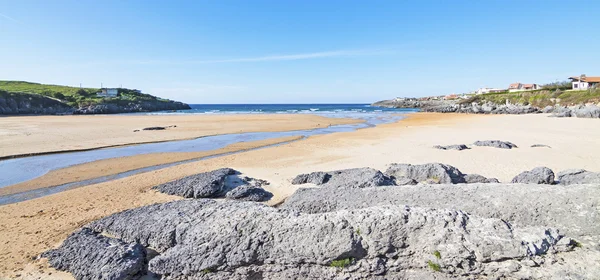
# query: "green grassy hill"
129, 100
539, 98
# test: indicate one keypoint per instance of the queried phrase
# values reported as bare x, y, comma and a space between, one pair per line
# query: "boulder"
317, 178
548, 109
476, 178
495, 144
587, 112
347, 178
459, 147
561, 112
538, 175
434, 172
244, 240
207, 184
88, 255
578, 176
249, 193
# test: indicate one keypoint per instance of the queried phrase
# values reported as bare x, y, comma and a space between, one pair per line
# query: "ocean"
285, 109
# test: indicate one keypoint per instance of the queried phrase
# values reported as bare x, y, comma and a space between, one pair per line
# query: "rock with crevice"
538, 175
88, 255
578, 176
249, 193
476, 178
240, 240
495, 144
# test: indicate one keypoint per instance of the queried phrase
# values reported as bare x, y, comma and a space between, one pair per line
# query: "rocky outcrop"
578, 176
29, 104
123, 106
224, 182
88, 255
207, 239
495, 144
476, 178
459, 147
580, 111
347, 178
457, 106
538, 175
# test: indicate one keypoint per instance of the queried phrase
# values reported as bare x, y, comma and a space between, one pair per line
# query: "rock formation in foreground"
357, 225
208, 239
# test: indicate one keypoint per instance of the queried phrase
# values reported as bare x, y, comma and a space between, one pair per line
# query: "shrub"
434, 266
342, 263
437, 254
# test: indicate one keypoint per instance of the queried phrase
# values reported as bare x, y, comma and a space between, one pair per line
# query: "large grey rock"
573, 209
317, 178
495, 144
88, 255
476, 178
224, 182
243, 240
587, 112
347, 178
430, 172
561, 112
207, 184
459, 147
578, 176
538, 175
548, 109
249, 193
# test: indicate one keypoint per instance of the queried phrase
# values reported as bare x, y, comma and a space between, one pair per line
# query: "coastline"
37, 135
34, 226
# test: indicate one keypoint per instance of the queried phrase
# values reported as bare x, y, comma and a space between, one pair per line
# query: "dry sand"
28, 228
45, 134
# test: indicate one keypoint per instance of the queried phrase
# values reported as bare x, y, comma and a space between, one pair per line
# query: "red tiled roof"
513, 86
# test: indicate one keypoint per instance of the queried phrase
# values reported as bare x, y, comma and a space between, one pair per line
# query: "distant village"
581, 82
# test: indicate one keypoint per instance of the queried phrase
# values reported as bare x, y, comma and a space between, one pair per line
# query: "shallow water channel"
13, 171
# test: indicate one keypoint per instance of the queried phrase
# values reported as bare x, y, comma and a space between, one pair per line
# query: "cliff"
18, 98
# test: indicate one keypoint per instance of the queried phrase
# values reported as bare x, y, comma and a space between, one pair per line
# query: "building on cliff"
522, 87
584, 82
108, 92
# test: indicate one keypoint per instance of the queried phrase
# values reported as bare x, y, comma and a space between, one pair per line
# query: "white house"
488, 90
522, 87
583, 82
108, 92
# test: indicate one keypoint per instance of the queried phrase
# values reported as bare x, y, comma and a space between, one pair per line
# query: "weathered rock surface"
217, 183
249, 193
495, 144
573, 209
88, 255
434, 172
561, 112
241, 240
577, 176
538, 175
347, 178
459, 147
457, 106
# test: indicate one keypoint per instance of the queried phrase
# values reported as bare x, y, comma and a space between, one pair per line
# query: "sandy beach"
29, 135
31, 227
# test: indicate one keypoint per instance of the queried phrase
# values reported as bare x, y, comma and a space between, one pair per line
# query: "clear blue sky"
298, 51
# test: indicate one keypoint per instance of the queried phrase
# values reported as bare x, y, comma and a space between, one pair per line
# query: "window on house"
575, 85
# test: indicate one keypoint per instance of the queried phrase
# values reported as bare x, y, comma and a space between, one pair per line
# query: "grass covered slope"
19, 97
538, 98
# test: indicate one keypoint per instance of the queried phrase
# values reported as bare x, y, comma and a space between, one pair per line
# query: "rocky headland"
409, 221
478, 106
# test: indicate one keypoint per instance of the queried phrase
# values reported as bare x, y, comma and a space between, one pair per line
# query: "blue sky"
297, 51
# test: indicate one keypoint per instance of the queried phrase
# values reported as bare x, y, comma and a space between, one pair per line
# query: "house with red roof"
522, 87
584, 82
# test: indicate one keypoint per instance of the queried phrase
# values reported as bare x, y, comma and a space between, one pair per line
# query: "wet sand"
29, 135
31, 227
